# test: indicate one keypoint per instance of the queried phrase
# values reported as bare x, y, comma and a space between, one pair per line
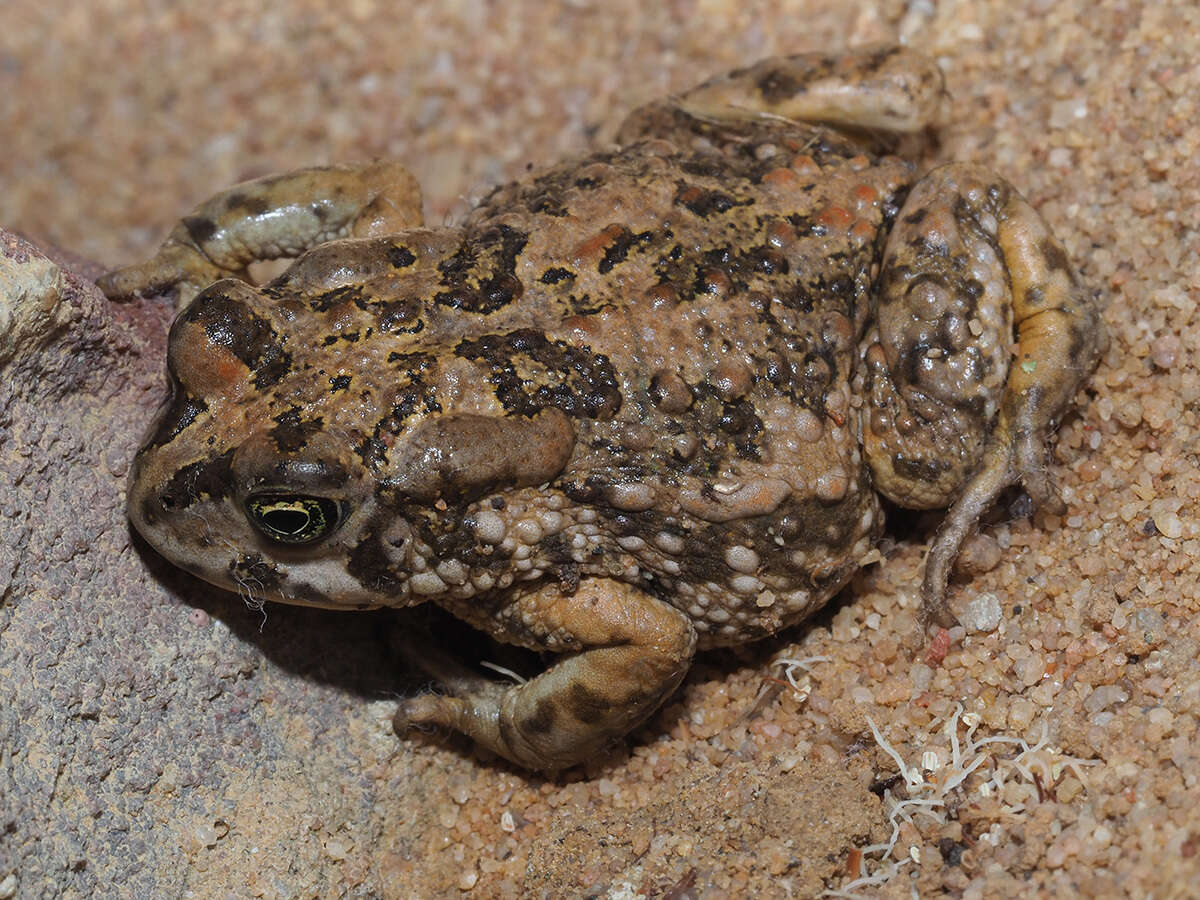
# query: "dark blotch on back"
766, 260
352, 293
618, 250
400, 257
531, 372
396, 316
415, 395
704, 202
481, 275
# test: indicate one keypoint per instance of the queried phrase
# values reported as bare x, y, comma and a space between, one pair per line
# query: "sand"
165, 740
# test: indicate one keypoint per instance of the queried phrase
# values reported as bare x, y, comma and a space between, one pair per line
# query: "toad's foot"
629, 652
276, 217
949, 419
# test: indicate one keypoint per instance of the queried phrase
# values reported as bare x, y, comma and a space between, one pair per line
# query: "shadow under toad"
359, 653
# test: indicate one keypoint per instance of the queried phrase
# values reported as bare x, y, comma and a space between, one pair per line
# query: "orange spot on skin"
780, 179
865, 196
840, 326
592, 250
208, 368
863, 230
584, 328
781, 234
803, 164
835, 218
227, 368
662, 296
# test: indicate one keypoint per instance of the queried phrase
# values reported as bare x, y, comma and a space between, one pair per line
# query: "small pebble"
1029, 670
982, 614
1104, 696
1150, 623
1165, 351
980, 553
1168, 524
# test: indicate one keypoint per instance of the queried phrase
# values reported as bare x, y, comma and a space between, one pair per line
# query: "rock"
130, 725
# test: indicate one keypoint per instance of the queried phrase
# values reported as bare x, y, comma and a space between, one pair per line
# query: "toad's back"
693, 308
725, 282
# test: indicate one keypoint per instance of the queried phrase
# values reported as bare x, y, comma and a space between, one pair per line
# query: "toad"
634, 405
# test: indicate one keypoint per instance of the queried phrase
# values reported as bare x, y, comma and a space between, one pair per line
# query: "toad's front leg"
628, 652
276, 217
950, 420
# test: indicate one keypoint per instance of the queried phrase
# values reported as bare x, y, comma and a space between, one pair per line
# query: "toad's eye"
293, 518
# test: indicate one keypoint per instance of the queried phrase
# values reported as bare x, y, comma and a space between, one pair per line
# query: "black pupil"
287, 521
293, 519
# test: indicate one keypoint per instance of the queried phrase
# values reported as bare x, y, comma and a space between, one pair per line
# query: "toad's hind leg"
279, 216
885, 89
628, 652
948, 418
